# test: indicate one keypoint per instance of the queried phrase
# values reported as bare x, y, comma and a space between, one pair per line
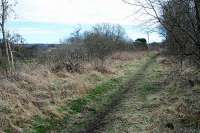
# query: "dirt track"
122, 114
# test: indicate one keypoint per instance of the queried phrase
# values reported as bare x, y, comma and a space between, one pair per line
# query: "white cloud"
75, 11
32, 31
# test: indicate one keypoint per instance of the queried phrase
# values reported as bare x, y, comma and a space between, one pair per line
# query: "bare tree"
75, 36
102, 41
16, 42
181, 21
6, 52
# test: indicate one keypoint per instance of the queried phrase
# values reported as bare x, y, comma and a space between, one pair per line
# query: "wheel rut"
96, 125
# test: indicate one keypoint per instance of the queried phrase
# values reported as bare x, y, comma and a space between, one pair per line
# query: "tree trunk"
11, 56
6, 48
197, 10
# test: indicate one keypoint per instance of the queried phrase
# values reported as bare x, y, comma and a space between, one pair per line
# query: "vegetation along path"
127, 113
122, 104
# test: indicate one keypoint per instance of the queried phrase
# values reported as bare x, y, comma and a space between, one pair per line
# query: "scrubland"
36, 91
140, 91
100, 80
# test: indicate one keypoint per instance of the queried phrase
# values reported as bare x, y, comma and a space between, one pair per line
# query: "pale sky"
41, 17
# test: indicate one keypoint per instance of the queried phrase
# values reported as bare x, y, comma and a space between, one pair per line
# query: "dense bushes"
91, 46
69, 58
181, 21
141, 43
102, 41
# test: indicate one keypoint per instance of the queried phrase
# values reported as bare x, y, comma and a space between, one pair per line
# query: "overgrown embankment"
82, 114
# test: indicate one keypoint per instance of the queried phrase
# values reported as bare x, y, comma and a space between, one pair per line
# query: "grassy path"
115, 117
151, 103
109, 106
143, 100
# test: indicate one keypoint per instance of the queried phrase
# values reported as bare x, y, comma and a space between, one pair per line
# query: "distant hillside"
40, 45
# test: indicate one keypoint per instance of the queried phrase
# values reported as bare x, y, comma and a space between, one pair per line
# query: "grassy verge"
81, 111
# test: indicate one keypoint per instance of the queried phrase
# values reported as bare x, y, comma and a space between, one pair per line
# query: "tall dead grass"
35, 90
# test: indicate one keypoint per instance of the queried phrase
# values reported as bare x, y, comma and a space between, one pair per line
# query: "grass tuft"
78, 105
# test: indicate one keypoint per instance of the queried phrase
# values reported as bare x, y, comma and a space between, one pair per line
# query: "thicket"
179, 22
93, 46
141, 43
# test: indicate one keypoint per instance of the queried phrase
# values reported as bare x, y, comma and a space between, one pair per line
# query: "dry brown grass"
37, 91
125, 56
174, 108
179, 103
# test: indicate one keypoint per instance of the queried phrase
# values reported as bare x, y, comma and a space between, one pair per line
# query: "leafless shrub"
94, 46
69, 58
180, 24
102, 41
